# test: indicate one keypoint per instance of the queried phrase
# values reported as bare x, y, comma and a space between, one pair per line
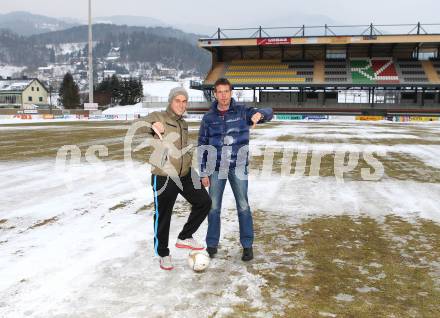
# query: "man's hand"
256, 118
205, 182
158, 128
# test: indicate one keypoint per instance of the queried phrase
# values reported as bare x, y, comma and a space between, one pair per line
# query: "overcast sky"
242, 13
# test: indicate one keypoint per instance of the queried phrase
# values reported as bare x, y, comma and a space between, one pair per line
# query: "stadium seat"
267, 72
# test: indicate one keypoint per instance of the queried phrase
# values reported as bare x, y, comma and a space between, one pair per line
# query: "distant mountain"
20, 51
36, 40
25, 23
167, 46
131, 20
107, 31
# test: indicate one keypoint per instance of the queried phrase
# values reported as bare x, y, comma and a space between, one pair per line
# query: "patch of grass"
120, 205
398, 166
43, 223
370, 141
402, 166
69, 123
348, 266
45, 143
145, 208
285, 138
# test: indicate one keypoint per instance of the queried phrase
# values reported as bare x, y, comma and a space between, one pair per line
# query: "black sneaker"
211, 251
248, 254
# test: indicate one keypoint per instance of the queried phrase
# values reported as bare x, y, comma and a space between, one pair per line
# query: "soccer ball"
198, 260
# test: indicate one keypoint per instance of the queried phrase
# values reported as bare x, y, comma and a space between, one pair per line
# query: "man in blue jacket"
225, 127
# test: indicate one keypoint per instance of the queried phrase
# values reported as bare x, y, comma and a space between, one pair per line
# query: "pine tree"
115, 88
123, 92
69, 92
139, 95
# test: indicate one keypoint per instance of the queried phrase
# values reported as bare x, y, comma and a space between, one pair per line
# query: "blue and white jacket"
228, 134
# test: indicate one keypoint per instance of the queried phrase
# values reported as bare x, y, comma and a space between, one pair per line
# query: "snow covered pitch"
76, 239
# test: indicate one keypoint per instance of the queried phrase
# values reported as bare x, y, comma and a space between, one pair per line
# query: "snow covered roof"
42, 68
112, 58
14, 84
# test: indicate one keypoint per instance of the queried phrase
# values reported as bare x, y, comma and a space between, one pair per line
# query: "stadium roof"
427, 35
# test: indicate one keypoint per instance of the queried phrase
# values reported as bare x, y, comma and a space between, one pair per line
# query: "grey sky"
243, 13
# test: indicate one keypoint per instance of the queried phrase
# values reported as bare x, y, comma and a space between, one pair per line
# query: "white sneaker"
166, 263
189, 243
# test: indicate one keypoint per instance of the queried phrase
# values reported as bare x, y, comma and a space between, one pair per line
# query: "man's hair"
222, 81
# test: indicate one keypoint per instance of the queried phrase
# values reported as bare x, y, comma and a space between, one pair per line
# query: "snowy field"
76, 239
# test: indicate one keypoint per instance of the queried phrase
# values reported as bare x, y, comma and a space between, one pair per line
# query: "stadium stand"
336, 71
268, 71
436, 65
432, 73
386, 72
319, 72
411, 71
217, 71
373, 71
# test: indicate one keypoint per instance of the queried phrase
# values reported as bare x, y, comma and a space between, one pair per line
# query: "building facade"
22, 93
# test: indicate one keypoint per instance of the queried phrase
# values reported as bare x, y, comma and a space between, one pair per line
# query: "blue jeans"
240, 190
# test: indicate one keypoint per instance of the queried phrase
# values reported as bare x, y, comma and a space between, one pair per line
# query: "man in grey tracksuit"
172, 175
